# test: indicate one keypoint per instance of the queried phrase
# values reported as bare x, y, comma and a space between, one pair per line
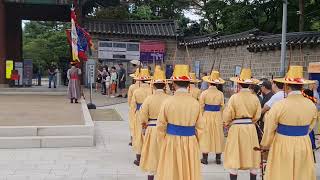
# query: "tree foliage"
45, 42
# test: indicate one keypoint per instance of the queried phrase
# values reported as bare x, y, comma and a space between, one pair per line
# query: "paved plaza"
110, 159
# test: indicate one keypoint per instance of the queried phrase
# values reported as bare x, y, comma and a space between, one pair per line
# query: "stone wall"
264, 64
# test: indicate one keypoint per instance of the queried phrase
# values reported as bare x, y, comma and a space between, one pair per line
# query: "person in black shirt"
122, 81
266, 91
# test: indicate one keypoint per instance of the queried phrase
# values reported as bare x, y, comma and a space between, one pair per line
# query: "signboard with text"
151, 51
27, 72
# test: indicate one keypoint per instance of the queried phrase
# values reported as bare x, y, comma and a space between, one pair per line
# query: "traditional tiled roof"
160, 28
272, 42
242, 38
198, 41
217, 41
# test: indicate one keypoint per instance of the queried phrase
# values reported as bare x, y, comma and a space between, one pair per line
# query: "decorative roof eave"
161, 28
295, 39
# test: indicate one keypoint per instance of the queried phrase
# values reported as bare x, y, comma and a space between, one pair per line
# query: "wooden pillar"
14, 35
2, 43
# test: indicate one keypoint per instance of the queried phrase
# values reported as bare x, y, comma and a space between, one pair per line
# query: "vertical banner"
9, 68
27, 72
74, 36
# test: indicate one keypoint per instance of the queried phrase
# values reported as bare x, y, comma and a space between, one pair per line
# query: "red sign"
152, 46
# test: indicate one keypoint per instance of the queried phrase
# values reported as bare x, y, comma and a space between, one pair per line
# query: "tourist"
287, 126
104, 76
178, 128
114, 80
204, 84
52, 73
242, 111
255, 89
277, 88
266, 91
148, 116
73, 75
193, 88
211, 103
98, 81
139, 95
122, 81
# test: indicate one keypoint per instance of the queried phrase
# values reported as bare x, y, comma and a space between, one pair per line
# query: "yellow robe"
195, 91
179, 155
212, 139
242, 138
139, 96
151, 148
290, 157
132, 112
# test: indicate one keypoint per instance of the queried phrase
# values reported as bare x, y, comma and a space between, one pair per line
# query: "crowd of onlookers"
111, 81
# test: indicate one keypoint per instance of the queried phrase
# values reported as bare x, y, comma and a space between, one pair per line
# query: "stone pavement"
111, 159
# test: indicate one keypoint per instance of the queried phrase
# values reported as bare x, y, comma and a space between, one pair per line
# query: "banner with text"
152, 51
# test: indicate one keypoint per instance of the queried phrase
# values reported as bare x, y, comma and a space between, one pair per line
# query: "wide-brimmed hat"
245, 77
135, 74
294, 76
143, 74
214, 78
181, 73
194, 78
159, 76
136, 62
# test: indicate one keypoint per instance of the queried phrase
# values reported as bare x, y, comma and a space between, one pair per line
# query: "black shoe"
119, 96
137, 161
126, 96
204, 159
130, 143
150, 177
76, 101
253, 176
71, 100
218, 158
233, 177
55, 87
49, 87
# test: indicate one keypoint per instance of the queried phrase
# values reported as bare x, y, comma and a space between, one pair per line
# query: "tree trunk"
301, 18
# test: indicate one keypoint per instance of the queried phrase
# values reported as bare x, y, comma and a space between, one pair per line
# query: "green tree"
45, 42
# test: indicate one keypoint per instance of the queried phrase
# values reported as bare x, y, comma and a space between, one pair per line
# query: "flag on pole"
74, 36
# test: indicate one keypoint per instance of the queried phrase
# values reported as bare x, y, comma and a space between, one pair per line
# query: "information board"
27, 72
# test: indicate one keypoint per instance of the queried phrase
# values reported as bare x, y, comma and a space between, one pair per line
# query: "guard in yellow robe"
194, 90
138, 98
242, 111
211, 103
286, 130
178, 129
148, 115
132, 112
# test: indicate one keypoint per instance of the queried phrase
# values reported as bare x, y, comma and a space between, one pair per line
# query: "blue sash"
212, 108
138, 106
150, 122
181, 130
293, 130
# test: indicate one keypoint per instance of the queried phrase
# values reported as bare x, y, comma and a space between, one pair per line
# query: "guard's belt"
212, 108
292, 130
177, 130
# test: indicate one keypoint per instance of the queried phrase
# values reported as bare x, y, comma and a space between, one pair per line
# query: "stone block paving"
110, 159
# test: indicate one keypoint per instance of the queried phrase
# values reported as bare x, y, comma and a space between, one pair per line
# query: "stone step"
68, 130
46, 142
